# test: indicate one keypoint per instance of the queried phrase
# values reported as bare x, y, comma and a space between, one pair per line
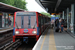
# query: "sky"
32, 5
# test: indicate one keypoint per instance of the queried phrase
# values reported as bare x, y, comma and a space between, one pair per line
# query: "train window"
43, 20
46, 20
39, 19
29, 21
26, 23
18, 22
26, 20
33, 22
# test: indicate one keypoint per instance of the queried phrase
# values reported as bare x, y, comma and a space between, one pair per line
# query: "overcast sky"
32, 5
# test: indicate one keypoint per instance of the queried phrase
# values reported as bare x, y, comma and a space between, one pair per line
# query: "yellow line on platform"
52, 45
43, 41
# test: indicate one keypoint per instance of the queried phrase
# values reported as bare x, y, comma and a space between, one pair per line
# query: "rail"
12, 45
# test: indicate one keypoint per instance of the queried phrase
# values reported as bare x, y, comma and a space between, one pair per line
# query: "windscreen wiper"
17, 25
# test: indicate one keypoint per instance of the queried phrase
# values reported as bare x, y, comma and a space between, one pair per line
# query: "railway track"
12, 45
5, 38
6, 43
18, 45
27, 46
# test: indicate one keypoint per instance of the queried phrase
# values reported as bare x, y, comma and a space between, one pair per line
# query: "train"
29, 25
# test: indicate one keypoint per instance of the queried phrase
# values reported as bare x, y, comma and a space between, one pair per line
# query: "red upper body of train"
29, 25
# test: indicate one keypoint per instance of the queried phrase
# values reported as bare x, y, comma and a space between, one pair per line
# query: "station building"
7, 15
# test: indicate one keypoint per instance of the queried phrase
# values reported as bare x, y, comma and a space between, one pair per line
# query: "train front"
25, 26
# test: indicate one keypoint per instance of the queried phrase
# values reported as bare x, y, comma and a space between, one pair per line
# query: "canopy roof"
55, 6
8, 8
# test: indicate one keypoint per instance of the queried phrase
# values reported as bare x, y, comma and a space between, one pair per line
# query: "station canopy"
8, 8
55, 6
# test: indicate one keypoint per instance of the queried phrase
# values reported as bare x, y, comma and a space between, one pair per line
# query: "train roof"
35, 12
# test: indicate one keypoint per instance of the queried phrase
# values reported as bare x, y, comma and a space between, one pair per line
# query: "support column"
72, 18
67, 18
0, 21
63, 15
60, 15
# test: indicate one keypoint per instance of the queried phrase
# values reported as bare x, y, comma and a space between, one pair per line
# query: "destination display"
26, 13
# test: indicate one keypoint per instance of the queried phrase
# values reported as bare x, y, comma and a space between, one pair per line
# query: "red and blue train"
29, 25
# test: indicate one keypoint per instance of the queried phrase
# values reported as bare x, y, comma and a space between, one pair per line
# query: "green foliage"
17, 3
47, 14
20, 4
57, 16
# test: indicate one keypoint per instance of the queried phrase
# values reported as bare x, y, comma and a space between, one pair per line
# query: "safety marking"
52, 41
34, 48
37, 43
43, 41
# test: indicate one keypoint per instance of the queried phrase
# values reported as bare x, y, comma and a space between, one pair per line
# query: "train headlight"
17, 32
34, 32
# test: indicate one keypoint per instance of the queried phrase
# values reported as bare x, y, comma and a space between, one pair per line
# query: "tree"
17, 3
20, 4
47, 14
10, 2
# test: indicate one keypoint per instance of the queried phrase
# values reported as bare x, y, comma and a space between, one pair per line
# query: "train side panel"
14, 28
37, 26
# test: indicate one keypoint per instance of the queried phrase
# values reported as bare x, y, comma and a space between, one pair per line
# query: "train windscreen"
25, 20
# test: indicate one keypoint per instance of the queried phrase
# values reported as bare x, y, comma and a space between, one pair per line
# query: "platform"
51, 40
5, 29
